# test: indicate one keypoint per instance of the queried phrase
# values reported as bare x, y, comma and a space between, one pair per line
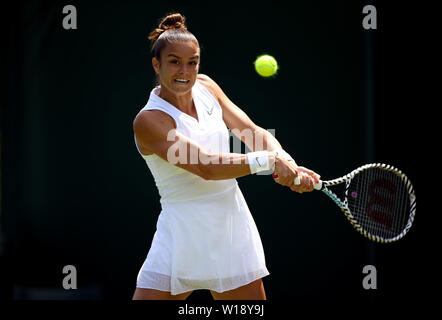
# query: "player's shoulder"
152, 120
204, 78
209, 84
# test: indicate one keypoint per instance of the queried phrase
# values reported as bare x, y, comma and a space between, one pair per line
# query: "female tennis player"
205, 235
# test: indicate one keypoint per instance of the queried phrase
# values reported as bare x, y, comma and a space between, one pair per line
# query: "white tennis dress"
206, 237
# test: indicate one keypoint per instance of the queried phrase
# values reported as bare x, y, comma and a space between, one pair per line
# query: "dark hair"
171, 29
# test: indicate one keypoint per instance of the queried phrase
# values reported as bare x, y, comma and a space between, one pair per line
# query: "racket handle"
317, 186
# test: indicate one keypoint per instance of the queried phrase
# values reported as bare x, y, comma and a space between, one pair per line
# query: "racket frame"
323, 186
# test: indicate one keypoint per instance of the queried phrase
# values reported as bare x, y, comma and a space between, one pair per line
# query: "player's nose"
183, 68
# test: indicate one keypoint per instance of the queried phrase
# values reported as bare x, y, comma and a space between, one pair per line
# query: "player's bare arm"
155, 133
238, 121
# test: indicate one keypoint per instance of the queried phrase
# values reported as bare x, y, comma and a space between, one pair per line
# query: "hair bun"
171, 21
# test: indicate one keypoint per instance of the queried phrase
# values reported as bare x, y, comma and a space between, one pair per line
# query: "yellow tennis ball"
266, 65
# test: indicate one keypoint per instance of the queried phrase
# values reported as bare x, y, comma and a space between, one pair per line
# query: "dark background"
75, 191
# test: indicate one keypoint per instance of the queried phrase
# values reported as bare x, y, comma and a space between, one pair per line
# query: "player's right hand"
286, 171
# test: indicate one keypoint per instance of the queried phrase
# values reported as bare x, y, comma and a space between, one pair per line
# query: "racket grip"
317, 186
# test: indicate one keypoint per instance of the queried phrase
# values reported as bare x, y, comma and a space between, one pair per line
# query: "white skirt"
204, 244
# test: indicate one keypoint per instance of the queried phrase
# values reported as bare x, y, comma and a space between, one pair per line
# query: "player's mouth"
181, 81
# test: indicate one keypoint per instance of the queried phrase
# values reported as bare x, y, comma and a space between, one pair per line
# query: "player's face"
178, 66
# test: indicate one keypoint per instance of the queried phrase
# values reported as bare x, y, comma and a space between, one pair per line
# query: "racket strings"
379, 201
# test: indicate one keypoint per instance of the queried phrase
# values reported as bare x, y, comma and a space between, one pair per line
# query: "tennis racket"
379, 201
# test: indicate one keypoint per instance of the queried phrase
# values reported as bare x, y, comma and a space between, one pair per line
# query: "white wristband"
260, 161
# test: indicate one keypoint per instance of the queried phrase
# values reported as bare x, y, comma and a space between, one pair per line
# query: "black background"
76, 192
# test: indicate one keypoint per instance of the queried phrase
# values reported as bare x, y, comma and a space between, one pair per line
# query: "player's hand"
286, 171
307, 178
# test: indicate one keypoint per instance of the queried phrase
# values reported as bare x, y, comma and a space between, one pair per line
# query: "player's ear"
156, 65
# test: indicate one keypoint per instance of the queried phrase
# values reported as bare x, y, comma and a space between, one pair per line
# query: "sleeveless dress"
205, 235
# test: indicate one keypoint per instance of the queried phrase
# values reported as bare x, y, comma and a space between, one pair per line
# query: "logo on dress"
210, 112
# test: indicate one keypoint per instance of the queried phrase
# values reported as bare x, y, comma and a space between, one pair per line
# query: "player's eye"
193, 63
174, 61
